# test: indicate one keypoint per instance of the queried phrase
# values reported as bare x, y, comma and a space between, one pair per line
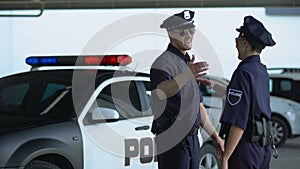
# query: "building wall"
136, 32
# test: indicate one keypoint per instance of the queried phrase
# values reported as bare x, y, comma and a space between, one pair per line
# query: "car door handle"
146, 127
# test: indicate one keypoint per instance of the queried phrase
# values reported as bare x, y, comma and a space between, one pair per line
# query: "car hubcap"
208, 161
277, 131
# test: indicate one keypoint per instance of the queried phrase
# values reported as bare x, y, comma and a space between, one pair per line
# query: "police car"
74, 112
285, 103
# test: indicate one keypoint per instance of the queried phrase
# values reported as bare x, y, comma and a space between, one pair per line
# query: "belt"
193, 131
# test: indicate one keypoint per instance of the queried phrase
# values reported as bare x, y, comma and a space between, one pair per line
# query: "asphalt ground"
289, 155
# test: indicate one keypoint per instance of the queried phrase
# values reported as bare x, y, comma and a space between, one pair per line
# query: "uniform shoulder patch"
234, 96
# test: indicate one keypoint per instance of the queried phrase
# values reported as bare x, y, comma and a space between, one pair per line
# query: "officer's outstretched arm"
235, 134
206, 124
210, 129
169, 88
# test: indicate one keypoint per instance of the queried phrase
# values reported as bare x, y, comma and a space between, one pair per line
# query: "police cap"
255, 33
181, 20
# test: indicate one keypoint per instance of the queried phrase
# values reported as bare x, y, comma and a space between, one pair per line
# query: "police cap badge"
181, 20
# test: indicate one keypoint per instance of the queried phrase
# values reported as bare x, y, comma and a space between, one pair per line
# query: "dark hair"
255, 49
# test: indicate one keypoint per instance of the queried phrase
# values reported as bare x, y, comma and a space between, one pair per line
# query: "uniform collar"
250, 59
185, 58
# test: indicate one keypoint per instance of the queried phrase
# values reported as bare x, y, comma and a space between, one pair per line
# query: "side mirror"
101, 115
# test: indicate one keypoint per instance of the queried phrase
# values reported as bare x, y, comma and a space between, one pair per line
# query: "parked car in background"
285, 103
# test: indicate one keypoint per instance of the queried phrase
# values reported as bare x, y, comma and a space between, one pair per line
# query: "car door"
115, 126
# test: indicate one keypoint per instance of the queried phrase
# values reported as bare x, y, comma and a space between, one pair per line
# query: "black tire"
38, 164
279, 130
208, 157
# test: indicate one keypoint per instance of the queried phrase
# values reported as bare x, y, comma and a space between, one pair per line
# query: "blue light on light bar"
32, 61
48, 61
38, 61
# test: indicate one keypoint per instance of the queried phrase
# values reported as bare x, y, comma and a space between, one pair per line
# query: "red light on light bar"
124, 60
113, 60
93, 60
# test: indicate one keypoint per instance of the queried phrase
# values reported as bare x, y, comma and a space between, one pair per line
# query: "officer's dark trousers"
184, 155
250, 155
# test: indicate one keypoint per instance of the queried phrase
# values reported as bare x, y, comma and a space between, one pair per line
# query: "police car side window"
52, 91
11, 97
56, 102
122, 97
146, 93
148, 88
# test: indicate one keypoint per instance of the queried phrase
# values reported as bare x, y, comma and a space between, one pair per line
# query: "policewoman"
176, 100
247, 110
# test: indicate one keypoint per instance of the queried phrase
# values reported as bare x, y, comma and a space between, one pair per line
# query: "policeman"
176, 100
248, 102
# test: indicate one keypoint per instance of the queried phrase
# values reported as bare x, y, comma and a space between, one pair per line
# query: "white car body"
108, 148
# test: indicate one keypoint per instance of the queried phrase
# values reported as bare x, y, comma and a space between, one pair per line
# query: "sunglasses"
184, 32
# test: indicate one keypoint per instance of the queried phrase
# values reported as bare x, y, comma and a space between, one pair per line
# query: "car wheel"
37, 164
279, 130
208, 157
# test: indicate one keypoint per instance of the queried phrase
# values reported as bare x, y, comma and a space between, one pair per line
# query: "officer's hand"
224, 164
219, 145
198, 69
205, 81
219, 88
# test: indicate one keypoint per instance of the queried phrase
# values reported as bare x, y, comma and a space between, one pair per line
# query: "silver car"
285, 103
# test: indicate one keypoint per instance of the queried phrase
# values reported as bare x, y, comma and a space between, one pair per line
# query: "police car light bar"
87, 60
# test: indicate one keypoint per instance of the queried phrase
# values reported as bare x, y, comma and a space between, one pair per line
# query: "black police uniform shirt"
184, 105
249, 87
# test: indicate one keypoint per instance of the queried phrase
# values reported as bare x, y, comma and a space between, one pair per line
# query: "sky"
136, 32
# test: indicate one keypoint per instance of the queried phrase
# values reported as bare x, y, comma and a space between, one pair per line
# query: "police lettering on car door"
139, 148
